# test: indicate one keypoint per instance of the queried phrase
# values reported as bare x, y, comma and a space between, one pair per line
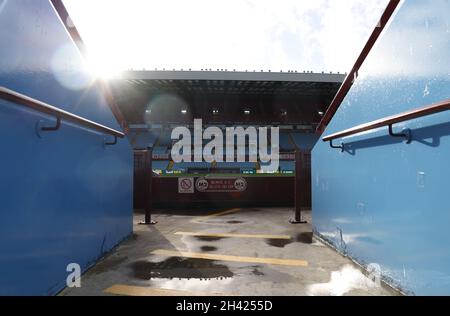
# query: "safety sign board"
185, 185
221, 185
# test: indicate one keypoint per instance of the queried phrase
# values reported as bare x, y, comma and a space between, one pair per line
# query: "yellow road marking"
262, 236
273, 261
203, 218
128, 290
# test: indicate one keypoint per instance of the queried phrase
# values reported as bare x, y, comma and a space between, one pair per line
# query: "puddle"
209, 238
257, 272
265, 273
180, 268
235, 222
208, 248
305, 238
344, 281
279, 243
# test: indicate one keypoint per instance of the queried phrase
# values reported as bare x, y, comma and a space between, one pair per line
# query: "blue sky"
312, 35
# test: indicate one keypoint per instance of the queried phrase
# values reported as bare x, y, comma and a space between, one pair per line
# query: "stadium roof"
222, 75
229, 82
134, 89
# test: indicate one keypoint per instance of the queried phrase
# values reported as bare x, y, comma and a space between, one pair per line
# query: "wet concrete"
134, 263
279, 243
208, 248
108, 265
306, 237
209, 238
180, 268
235, 222
256, 271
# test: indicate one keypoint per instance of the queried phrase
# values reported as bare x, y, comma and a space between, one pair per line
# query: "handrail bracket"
111, 143
52, 128
41, 126
406, 134
341, 147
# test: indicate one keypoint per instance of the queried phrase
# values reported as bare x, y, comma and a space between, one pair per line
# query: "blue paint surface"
65, 197
391, 200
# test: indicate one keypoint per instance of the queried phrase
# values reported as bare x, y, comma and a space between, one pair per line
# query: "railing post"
298, 181
148, 179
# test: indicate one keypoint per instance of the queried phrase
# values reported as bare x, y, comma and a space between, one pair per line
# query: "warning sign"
185, 185
221, 185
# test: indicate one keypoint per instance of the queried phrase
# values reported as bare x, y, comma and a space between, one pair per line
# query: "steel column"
299, 179
148, 179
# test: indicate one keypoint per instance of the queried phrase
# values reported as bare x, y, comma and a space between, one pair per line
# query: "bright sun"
104, 67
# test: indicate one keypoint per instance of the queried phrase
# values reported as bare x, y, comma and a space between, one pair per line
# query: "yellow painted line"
127, 290
260, 236
273, 261
203, 218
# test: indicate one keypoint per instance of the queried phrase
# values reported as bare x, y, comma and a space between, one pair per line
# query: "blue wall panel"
388, 200
65, 197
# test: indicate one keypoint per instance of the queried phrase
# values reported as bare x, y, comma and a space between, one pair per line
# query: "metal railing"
21, 99
353, 75
389, 122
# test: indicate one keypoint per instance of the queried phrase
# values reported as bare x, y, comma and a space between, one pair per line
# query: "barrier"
167, 192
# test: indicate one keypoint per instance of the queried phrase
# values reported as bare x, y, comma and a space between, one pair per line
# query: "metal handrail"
21, 99
353, 75
390, 121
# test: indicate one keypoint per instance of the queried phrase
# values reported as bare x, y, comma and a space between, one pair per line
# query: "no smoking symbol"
186, 184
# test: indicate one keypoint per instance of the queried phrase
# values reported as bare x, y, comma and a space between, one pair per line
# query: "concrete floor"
186, 253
